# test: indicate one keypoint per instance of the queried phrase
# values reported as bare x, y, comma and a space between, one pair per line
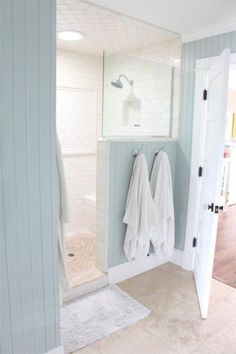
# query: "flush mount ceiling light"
70, 35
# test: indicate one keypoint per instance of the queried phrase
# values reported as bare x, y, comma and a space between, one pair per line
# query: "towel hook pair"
137, 152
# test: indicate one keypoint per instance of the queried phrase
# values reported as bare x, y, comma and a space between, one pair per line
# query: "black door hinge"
204, 95
200, 171
218, 208
195, 242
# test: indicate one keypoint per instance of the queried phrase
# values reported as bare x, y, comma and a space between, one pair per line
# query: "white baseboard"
58, 350
188, 259
177, 258
130, 269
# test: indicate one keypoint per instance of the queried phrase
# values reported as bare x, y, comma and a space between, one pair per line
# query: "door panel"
213, 147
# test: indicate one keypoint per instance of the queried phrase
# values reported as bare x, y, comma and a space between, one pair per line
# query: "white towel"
63, 213
163, 234
62, 217
140, 211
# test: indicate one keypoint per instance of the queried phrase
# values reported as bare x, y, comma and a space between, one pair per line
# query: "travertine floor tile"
223, 342
175, 324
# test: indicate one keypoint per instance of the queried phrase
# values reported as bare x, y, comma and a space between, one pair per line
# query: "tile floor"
174, 325
225, 255
81, 267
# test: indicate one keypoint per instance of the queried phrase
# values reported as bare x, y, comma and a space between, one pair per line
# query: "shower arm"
129, 81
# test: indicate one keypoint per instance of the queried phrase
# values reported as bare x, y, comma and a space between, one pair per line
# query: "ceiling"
104, 29
181, 16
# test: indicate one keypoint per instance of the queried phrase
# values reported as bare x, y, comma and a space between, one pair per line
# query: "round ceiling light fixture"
70, 35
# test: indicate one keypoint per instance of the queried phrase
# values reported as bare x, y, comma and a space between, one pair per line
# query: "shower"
119, 84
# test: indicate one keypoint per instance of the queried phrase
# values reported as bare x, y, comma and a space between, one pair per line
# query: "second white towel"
163, 234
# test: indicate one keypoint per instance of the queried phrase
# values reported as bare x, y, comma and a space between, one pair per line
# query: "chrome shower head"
119, 84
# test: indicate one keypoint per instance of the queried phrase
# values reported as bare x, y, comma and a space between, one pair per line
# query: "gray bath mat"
99, 314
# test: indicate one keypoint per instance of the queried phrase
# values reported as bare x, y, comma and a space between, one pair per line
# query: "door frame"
202, 65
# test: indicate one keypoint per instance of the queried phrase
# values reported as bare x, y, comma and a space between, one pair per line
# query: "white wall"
79, 123
151, 69
167, 53
80, 171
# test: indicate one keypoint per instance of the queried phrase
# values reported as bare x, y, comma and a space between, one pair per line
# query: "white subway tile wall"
77, 75
80, 171
169, 53
90, 212
151, 68
77, 70
77, 120
105, 30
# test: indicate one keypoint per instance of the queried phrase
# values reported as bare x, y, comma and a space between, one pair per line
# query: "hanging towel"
140, 214
163, 234
63, 213
62, 217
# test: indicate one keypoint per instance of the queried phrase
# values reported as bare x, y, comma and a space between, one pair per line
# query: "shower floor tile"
81, 258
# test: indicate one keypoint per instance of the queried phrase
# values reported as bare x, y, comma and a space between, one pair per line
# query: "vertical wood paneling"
21, 174
54, 191
121, 165
191, 52
30, 319
233, 42
214, 44
9, 189
33, 138
6, 335
45, 70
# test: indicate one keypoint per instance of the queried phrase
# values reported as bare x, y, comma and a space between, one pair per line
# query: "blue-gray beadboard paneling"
29, 286
191, 52
121, 164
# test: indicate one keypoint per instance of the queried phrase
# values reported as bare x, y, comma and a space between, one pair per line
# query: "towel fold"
163, 233
140, 215
62, 217
63, 212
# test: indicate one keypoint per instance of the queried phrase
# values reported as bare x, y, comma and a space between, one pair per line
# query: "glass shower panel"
139, 102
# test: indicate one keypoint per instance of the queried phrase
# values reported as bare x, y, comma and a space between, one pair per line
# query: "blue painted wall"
29, 289
121, 164
191, 52
121, 160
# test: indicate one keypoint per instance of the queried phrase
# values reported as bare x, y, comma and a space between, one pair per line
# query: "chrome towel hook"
137, 152
159, 149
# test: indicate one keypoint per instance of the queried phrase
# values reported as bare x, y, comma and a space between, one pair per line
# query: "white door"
212, 159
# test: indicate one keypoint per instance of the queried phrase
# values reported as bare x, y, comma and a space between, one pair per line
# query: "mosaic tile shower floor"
81, 258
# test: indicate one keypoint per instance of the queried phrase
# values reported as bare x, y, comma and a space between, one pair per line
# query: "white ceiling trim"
209, 31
